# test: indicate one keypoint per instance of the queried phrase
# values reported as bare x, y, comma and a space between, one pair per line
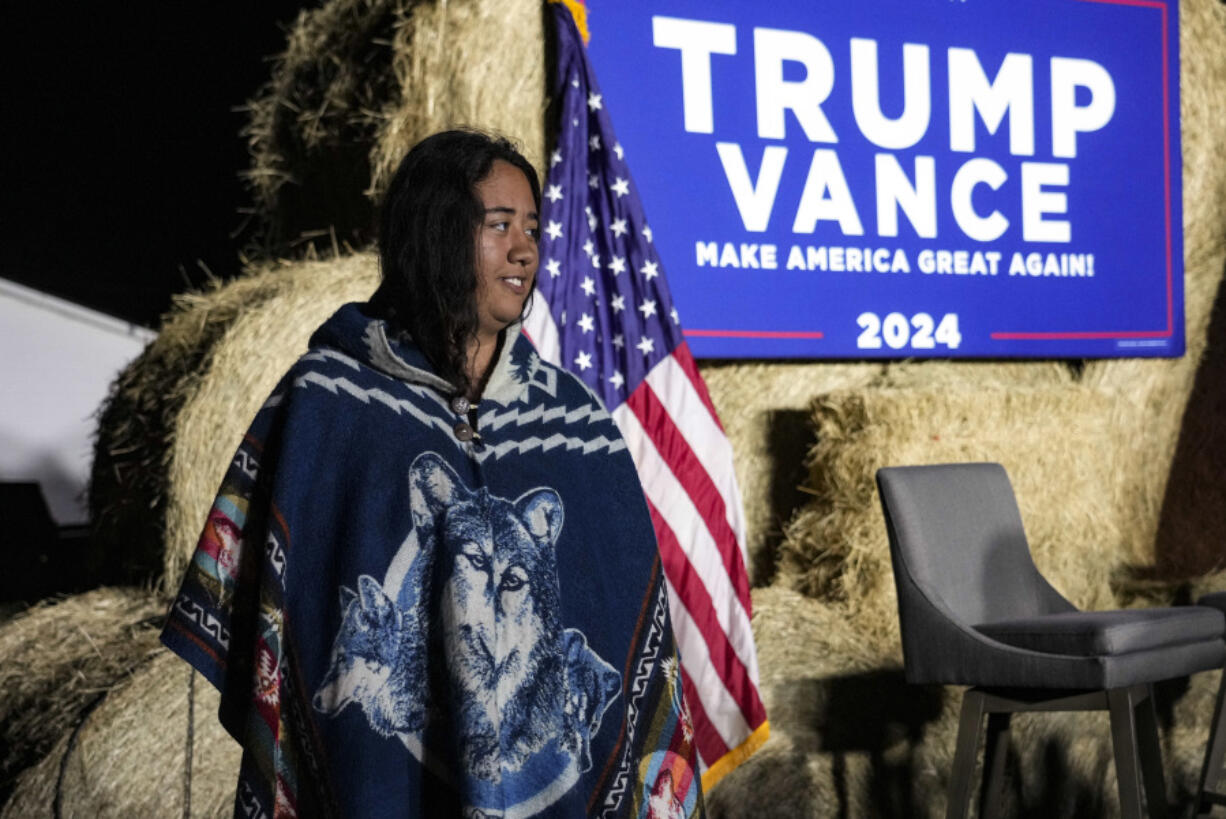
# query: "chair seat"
1108, 633
1216, 600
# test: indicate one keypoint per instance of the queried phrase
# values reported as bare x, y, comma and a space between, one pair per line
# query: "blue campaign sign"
906, 178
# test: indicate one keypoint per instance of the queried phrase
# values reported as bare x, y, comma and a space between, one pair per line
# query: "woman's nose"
523, 249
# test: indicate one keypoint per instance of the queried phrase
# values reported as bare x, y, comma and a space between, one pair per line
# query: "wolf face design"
375, 657
500, 624
474, 585
591, 685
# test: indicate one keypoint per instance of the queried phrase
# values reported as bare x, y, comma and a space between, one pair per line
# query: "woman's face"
507, 255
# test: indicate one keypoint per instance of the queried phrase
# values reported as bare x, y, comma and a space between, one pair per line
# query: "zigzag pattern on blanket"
538, 417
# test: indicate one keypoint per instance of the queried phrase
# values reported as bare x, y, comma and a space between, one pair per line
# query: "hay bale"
360, 81
1202, 86
149, 420
849, 737
1191, 525
128, 484
764, 407
129, 757
1063, 461
240, 369
58, 658
311, 126
805, 649
466, 75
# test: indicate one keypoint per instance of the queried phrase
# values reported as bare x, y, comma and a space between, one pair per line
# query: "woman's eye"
534, 232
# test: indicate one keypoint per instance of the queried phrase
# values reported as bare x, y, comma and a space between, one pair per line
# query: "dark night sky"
122, 146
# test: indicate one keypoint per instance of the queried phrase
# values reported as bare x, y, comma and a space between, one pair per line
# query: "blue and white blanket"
404, 619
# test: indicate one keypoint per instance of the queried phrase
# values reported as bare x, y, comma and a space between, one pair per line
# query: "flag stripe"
715, 450
684, 403
717, 728
685, 360
684, 395
699, 616
707, 741
661, 487
685, 532
675, 451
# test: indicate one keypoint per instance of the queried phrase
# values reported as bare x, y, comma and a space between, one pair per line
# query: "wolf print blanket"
407, 618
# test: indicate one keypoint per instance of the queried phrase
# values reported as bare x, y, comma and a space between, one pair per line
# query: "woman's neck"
482, 354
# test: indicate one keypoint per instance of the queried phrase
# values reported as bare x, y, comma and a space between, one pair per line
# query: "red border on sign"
755, 333
1166, 172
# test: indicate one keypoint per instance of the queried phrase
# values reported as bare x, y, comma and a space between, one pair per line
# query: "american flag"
611, 320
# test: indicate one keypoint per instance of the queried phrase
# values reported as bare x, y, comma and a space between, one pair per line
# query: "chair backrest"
955, 530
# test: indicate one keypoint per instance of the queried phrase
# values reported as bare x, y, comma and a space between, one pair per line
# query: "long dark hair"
427, 244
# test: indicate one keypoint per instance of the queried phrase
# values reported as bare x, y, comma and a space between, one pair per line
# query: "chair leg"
969, 726
992, 790
1124, 741
1150, 751
1215, 751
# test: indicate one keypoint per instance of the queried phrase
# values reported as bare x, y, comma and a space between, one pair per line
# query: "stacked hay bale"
82, 693
310, 127
59, 659
836, 548
765, 411
836, 552
244, 365
361, 81
1088, 447
171, 422
129, 484
1158, 391
152, 747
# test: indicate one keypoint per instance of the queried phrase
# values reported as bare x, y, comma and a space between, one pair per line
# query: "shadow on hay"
1063, 792
850, 746
791, 437
901, 730
1192, 522
312, 125
1057, 783
877, 713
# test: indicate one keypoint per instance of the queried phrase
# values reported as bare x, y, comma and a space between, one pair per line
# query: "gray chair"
1208, 794
975, 611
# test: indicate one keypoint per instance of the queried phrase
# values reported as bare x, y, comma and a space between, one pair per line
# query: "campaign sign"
906, 178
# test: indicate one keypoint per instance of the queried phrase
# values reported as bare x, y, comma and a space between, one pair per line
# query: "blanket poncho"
409, 615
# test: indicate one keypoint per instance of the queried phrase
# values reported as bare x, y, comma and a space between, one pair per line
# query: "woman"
429, 584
